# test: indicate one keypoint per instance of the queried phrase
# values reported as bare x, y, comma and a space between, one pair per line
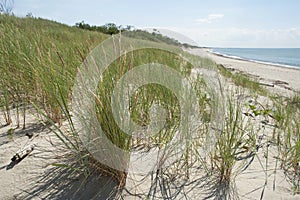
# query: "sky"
211, 23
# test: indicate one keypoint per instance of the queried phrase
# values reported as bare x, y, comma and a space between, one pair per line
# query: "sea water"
289, 57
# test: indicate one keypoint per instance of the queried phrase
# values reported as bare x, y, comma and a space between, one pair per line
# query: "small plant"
235, 144
287, 115
241, 80
258, 109
224, 72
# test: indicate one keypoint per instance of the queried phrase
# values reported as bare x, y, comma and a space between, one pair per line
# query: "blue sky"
219, 23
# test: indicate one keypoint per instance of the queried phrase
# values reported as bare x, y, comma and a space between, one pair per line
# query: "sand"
36, 178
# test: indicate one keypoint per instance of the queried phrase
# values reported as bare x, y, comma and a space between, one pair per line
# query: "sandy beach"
285, 80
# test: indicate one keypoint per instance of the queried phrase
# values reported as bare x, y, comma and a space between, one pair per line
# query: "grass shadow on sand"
31, 130
164, 186
62, 183
45, 180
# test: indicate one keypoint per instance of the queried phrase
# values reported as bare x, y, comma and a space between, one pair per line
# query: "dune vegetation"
38, 65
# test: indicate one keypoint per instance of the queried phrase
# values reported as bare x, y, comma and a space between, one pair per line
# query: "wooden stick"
21, 154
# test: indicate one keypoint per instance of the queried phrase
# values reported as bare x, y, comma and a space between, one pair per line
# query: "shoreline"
287, 77
254, 61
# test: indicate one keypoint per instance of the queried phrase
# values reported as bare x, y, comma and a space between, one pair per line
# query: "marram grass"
39, 61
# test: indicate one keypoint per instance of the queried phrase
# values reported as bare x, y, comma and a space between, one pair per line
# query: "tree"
6, 6
111, 28
83, 25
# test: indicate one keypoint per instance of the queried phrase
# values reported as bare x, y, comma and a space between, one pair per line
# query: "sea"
286, 57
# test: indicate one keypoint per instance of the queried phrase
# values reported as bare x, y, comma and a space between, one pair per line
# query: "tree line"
109, 28
130, 31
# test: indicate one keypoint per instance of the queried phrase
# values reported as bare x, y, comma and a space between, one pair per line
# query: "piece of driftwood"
21, 154
278, 82
267, 84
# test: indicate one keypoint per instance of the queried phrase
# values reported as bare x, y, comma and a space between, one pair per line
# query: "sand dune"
35, 178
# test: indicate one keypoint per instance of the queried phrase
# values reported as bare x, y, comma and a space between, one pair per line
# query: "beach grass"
39, 62
36, 55
287, 115
242, 80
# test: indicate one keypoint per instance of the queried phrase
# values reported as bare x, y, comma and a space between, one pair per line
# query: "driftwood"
267, 84
21, 154
278, 82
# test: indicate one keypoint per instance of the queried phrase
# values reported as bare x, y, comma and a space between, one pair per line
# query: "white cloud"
210, 18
